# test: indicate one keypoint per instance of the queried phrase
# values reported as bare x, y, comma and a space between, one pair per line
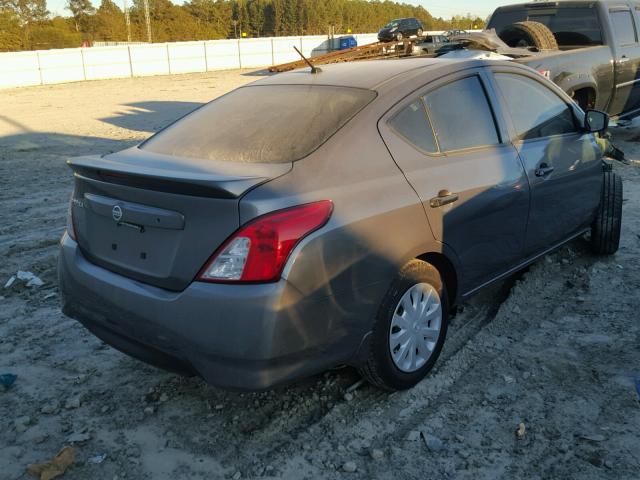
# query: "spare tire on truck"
529, 34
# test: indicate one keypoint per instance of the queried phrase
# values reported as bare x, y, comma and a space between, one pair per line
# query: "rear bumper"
246, 337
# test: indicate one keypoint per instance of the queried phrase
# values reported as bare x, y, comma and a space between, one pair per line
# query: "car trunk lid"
158, 218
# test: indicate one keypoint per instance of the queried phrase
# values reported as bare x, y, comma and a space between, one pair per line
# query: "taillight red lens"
259, 251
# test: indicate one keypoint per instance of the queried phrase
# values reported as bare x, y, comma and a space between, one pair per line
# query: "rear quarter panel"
378, 222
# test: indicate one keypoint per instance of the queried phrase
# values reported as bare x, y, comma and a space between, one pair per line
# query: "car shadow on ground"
150, 116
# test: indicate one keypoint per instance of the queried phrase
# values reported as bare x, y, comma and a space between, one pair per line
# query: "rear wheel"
529, 34
605, 230
410, 328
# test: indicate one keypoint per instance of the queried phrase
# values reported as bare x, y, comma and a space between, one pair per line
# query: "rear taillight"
71, 229
259, 251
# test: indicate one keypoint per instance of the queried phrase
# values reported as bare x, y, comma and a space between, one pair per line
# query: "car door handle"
543, 170
623, 59
444, 197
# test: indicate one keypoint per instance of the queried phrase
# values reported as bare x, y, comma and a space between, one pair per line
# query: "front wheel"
410, 328
605, 230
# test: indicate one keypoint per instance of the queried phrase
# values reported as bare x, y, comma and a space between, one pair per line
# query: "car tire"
384, 365
529, 34
605, 230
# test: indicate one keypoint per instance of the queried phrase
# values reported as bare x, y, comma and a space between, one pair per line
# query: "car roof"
374, 74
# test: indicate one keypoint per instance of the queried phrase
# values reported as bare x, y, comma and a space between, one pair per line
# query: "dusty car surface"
311, 220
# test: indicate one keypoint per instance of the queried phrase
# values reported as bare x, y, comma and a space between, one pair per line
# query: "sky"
438, 8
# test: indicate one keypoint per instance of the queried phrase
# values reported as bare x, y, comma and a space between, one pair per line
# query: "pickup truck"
593, 53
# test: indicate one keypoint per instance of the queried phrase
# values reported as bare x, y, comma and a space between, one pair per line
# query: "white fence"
44, 67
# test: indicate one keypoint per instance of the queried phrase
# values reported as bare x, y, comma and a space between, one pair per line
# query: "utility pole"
147, 19
127, 21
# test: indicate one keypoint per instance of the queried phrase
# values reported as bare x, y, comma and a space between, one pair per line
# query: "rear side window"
461, 115
412, 124
572, 26
623, 27
262, 124
538, 113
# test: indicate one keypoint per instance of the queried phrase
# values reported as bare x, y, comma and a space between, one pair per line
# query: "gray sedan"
310, 220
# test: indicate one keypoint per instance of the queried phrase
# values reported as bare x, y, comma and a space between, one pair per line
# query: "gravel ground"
556, 349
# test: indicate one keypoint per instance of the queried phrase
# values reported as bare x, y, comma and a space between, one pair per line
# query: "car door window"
539, 112
461, 115
412, 124
623, 27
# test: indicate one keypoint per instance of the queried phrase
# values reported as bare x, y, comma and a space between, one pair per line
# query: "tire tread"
539, 33
605, 231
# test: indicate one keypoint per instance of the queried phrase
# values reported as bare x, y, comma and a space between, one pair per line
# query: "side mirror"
596, 121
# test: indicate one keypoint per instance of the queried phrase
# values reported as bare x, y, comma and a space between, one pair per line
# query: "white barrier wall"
57, 66
106, 62
151, 59
45, 67
283, 51
186, 57
222, 54
19, 69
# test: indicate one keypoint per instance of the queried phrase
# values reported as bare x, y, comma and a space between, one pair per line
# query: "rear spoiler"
150, 171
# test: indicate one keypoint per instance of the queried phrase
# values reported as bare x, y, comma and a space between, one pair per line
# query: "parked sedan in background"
400, 28
434, 44
453, 33
311, 220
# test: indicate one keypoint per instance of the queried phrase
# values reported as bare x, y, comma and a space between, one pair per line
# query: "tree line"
28, 25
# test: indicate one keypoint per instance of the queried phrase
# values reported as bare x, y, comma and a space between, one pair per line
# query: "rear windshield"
572, 26
262, 124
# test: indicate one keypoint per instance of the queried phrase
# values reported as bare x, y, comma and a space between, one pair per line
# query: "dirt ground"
557, 349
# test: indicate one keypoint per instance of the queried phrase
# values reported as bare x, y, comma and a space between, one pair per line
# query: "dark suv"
399, 29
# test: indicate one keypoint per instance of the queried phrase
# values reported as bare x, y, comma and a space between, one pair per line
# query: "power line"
147, 19
127, 20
